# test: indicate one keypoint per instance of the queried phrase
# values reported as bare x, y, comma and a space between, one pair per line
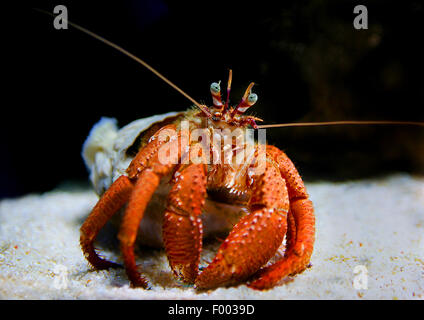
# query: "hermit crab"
209, 168
176, 186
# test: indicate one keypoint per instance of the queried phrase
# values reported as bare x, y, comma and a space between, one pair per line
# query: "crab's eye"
215, 88
252, 98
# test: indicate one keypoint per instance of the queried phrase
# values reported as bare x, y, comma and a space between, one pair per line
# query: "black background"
308, 61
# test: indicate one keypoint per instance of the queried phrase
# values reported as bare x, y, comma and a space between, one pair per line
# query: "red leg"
113, 199
256, 237
141, 160
299, 252
143, 191
291, 232
182, 226
148, 181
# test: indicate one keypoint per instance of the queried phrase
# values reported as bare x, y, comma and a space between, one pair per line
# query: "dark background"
308, 61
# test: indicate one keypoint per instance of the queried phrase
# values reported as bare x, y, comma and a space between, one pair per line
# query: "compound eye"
252, 98
215, 88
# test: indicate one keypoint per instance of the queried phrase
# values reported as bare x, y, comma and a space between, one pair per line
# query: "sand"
369, 245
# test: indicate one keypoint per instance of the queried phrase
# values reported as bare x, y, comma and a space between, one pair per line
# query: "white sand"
375, 223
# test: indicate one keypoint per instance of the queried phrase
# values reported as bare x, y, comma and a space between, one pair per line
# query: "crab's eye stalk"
252, 98
247, 101
216, 95
215, 88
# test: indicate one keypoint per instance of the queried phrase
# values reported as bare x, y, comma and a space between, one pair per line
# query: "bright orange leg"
299, 252
145, 187
144, 156
147, 183
112, 200
182, 226
255, 238
291, 232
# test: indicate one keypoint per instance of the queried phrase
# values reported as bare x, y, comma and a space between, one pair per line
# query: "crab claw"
255, 238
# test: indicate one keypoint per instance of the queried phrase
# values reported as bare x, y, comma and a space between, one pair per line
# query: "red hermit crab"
205, 153
203, 181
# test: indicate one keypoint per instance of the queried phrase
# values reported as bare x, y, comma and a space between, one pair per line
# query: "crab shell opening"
107, 153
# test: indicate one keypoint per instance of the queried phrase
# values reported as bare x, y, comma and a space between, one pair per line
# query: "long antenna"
206, 111
336, 123
140, 61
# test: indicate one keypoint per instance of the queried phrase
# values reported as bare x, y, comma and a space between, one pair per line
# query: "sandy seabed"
369, 245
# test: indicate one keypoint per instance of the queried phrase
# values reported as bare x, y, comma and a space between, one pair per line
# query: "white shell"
104, 150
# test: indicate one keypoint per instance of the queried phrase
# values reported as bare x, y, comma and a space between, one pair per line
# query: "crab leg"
143, 190
113, 199
182, 226
141, 160
299, 251
147, 182
256, 237
291, 232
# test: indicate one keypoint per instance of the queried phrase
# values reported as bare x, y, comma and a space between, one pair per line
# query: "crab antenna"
248, 100
216, 95
334, 123
140, 61
230, 79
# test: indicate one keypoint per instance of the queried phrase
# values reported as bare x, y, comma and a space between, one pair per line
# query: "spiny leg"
295, 187
141, 160
182, 226
298, 252
111, 201
298, 196
291, 232
256, 237
147, 183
